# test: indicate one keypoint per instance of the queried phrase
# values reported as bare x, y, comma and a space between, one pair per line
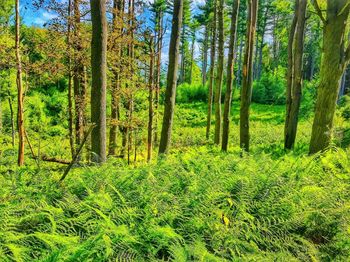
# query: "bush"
187, 93
270, 89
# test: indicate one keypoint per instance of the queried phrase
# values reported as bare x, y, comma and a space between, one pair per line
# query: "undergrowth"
195, 205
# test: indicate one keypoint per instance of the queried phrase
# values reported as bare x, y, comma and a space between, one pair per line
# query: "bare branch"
318, 11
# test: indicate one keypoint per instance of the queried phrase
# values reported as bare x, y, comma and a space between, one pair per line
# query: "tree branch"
318, 11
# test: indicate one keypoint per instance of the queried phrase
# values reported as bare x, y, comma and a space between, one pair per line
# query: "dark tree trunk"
20, 111
205, 55
170, 93
230, 76
220, 73
295, 73
159, 69
99, 79
118, 6
333, 65
150, 103
246, 93
212, 69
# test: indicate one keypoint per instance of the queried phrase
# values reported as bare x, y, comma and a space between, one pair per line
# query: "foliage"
270, 89
296, 208
186, 93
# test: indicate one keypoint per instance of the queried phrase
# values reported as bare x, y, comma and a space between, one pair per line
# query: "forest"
174, 130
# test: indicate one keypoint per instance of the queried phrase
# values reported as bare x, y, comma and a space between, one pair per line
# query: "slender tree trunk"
20, 112
230, 75
118, 6
99, 79
240, 57
220, 73
70, 98
170, 93
246, 93
150, 103
192, 57
332, 67
159, 69
212, 71
205, 56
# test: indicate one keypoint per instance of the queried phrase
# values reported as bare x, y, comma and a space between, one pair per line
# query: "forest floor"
197, 204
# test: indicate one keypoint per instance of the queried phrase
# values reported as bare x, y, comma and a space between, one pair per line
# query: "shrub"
270, 89
187, 93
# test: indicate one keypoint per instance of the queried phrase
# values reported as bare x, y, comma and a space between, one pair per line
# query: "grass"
197, 204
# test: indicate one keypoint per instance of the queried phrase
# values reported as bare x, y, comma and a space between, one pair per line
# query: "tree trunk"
205, 56
20, 111
117, 27
230, 76
70, 98
220, 73
99, 79
159, 69
192, 57
212, 69
246, 93
239, 71
295, 73
170, 93
150, 102
79, 82
332, 67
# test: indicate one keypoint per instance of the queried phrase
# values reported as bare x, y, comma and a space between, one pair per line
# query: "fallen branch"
55, 160
77, 153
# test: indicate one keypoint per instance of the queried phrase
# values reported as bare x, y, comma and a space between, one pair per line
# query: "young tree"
334, 61
99, 79
295, 70
247, 84
20, 111
212, 68
230, 76
170, 93
150, 100
220, 73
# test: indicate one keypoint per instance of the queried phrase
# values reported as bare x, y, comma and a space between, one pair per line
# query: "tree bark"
246, 92
230, 76
20, 111
99, 79
170, 93
220, 73
150, 102
333, 65
212, 69
205, 56
159, 19
117, 27
294, 88
79, 82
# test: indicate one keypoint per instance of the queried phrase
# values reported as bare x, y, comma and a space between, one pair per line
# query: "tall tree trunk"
205, 55
212, 71
118, 6
192, 58
295, 73
70, 98
20, 112
333, 65
159, 69
246, 93
150, 102
240, 57
99, 79
170, 93
220, 73
79, 81
230, 76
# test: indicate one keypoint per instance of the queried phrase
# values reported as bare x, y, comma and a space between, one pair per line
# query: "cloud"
48, 16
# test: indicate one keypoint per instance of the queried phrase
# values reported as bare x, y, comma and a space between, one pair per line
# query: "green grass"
197, 204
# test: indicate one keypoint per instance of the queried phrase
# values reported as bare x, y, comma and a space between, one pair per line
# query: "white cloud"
48, 16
